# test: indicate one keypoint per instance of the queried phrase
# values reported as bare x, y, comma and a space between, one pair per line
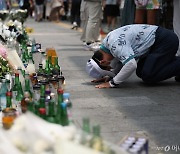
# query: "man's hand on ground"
103, 85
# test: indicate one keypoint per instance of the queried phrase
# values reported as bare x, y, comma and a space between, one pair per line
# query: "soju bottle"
56, 67
97, 142
47, 69
30, 67
50, 63
42, 90
58, 115
64, 118
3, 91
19, 95
15, 86
85, 135
27, 87
42, 97
30, 106
8, 99
42, 113
51, 112
86, 125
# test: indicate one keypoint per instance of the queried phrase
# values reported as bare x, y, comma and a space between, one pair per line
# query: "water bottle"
66, 99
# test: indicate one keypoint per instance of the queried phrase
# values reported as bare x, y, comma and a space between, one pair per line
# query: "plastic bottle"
66, 99
3, 91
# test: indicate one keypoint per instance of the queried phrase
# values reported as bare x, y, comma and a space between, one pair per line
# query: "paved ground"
133, 109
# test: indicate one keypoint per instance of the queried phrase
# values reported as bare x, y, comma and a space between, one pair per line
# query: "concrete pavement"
132, 109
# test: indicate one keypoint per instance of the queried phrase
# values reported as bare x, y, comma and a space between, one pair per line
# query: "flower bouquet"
4, 67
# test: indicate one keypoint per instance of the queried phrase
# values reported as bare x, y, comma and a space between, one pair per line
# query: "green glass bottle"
27, 87
58, 116
56, 67
36, 108
8, 99
26, 55
86, 125
30, 106
50, 63
51, 112
42, 90
97, 142
47, 69
15, 86
19, 95
42, 113
65, 121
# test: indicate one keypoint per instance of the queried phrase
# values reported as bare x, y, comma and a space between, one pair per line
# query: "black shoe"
75, 27
177, 78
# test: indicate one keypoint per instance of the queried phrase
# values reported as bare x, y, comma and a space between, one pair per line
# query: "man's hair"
97, 57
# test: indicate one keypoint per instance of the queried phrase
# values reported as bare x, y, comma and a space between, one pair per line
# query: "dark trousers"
160, 63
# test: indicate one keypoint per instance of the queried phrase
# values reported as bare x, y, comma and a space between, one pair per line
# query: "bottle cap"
63, 105
8, 93
42, 111
60, 91
16, 74
66, 95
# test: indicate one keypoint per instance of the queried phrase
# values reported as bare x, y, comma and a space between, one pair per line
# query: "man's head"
99, 65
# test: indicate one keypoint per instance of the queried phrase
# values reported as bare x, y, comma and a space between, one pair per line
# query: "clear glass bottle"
3, 91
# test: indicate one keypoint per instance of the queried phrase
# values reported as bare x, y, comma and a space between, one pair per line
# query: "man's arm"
123, 75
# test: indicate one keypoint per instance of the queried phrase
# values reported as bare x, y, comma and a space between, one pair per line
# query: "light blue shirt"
131, 41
